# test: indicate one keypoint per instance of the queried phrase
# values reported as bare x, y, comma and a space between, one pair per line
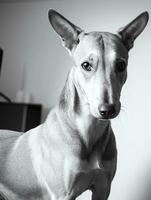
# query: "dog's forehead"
100, 42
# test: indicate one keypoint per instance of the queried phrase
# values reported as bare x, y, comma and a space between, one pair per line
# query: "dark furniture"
19, 116
1, 57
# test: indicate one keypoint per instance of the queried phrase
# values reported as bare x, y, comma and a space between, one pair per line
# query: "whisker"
123, 108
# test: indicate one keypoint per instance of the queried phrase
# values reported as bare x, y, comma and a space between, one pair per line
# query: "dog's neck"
74, 109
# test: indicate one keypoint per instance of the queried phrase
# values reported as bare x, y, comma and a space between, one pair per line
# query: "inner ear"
64, 28
130, 32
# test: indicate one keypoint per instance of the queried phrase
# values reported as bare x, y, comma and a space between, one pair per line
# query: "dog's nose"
107, 111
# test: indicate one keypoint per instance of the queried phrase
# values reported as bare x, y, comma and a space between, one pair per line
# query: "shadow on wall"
147, 189
144, 191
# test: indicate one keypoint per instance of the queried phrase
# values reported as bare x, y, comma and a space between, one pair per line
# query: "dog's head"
100, 61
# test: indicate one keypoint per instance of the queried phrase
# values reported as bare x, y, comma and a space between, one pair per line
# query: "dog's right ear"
66, 30
130, 32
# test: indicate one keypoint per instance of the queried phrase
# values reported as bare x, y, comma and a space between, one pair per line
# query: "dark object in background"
1, 58
19, 116
1, 94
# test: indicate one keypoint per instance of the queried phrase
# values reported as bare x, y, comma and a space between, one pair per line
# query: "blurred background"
34, 61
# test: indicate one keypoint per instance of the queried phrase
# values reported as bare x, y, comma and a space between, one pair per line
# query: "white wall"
29, 42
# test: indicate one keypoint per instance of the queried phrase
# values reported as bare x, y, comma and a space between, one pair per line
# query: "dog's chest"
81, 174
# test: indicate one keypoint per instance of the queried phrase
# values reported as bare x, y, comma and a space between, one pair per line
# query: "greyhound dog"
74, 150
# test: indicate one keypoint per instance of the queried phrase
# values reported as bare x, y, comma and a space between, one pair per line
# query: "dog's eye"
86, 66
120, 65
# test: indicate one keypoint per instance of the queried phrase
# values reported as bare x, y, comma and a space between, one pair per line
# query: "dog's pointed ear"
130, 32
66, 30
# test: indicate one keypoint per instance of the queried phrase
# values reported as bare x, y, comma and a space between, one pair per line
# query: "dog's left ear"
66, 30
130, 32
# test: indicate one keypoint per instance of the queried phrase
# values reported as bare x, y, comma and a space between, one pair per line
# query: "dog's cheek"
121, 79
93, 98
124, 77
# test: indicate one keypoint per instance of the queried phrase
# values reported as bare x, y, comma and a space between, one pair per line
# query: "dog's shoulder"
110, 150
7, 139
8, 134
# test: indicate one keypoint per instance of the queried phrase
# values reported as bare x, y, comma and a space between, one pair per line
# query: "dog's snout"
107, 111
